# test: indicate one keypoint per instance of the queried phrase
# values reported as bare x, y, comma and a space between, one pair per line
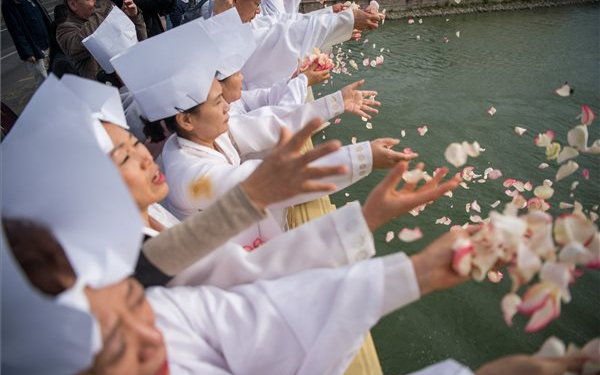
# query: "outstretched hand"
529, 365
358, 101
313, 76
129, 8
365, 20
385, 202
383, 155
286, 173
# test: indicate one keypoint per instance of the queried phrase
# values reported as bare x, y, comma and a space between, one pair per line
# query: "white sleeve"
359, 160
283, 93
318, 12
333, 240
447, 367
259, 130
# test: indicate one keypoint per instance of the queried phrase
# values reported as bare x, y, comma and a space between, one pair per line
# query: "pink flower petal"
541, 318
495, 276
410, 235
528, 186
337, 121
463, 254
535, 298
366, 62
491, 111
510, 304
368, 125
475, 219
495, 174
519, 130
587, 115
422, 130
445, 39
543, 140
475, 206
411, 21
586, 174
389, 236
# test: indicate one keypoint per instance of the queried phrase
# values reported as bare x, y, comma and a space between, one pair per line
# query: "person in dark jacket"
28, 23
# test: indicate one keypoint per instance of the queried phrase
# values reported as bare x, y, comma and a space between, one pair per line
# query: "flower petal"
566, 170
495, 276
389, 236
510, 304
463, 254
564, 90
455, 154
410, 235
587, 115
495, 204
578, 137
543, 166
519, 130
422, 130
541, 318
552, 348
491, 111
543, 192
413, 176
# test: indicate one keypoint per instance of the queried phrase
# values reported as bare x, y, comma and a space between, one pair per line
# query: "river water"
512, 61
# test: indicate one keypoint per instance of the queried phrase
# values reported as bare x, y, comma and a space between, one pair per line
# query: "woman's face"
142, 175
131, 342
232, 87
210, 119
247, 9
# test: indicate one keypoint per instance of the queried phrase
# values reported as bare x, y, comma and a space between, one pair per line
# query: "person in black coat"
28, 23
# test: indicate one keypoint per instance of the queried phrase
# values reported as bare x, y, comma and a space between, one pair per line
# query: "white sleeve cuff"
335, 104
448, 367
362, 160
400, 283
354, 233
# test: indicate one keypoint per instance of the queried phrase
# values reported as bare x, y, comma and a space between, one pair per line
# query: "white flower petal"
543, 192
564, 90
410, 235
543, 166
455, 154
566, 170
519, 130
566, 154
413, 176
578, 137
552, 348
389, 236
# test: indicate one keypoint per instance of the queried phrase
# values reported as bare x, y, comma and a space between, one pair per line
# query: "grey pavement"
16, 84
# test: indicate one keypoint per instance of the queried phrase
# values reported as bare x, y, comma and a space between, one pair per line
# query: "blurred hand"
221, 6
364, 20
385, 202
356, 34
383, 155
314, 76
528, 365
355, 101
433, 266
31, 59
129, 8
339, 8
285, 173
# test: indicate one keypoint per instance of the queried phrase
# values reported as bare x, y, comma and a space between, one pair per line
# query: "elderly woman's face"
131, 342
247, 9
141, 174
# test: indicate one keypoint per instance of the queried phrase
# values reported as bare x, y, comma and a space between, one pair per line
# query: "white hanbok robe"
285, 93
309, 323
333, 240
280, 44
186, 163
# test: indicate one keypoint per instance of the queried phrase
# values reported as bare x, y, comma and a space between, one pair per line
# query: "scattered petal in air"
543, 166
410, 235
510, 304
389, 236
475, 218
544, 140
472, 149
411, 21
491, 111
403, 133
564, 90
457, 2
574, 185
552, 348
566, 154
462, 257
495, 276
565, 205
373, 63
578, 137
509, 182
422, 130
366, 62
353, 64
586, 174
519, 130
537, 204
552, 150
379, 60
413, 176
543, 192
566, 170
547, 182
448, 19
324, 136
519, 201
473, 206
495, 204
353, 140
368, 125
407, 150
587, 115
347, 194
494, 174
444, 220
364, 119
464, 185
445, 39
418, 37
455, 154
449, 194
381, 50
420, 21
337, 121
528, 186
458, 34
374, 45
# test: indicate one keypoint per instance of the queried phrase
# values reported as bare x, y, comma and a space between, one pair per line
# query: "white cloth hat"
170, 72
233, 38
55, 174
40, 336
104, 102
114, 35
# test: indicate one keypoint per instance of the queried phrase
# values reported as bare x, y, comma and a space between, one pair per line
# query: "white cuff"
335, 104
400, 283
362, 160
354, 234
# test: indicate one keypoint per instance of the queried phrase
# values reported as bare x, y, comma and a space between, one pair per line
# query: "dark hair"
61, 11
39, 254
155, 131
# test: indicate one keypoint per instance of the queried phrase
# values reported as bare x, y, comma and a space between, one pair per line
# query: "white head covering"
55, 175
104, 102
114, 35
233, 38
170, 72
39, 336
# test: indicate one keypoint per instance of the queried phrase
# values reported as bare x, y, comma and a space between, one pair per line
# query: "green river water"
512, 61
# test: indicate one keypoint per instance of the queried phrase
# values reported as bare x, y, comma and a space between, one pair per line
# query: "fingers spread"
394, 176
319, 151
